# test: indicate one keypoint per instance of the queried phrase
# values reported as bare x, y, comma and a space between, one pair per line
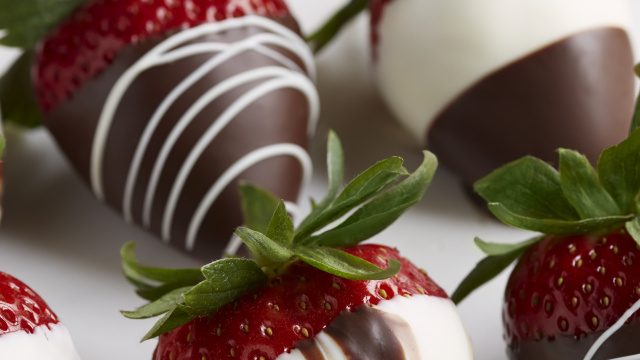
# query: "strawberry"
28, 326
152, 102
594, 283
89, 40
575, 289
305, 285
481, 86
294, 306
22, 308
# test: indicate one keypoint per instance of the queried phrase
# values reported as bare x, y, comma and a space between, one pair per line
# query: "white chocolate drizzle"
175, 48
612, 330
236, 169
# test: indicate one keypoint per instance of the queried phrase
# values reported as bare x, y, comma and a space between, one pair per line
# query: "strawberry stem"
323, 36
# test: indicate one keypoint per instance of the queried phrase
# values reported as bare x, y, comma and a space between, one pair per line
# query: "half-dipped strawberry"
163, 106
309, 293
29, 330
575, 290
482, 83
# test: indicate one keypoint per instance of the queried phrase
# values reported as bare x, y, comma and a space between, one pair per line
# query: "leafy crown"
578, 198
370, 202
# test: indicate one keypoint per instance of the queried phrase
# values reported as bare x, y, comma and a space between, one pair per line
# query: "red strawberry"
308, 292
28, 325
571, 286
22, 308
574, 291
377, 11
295, 306
164, 106
86, 43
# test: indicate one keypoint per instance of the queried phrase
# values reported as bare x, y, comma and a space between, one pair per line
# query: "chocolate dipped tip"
622, 343
166, 142
577, 93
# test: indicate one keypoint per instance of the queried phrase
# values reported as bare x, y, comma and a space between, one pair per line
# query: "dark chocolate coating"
366, 334
278, 117
577, 93
625, 342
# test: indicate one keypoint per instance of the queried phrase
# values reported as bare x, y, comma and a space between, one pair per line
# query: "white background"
64, 243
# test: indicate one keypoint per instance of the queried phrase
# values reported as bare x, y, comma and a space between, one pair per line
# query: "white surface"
62, 242
44, 344
432, 321
419, 82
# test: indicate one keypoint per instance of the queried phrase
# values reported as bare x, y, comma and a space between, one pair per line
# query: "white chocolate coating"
434, 322
44, 344
431, 51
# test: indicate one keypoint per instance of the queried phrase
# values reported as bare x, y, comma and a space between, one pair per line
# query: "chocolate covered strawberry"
29, 330
484, 83
308, 292
575, 291
163, 106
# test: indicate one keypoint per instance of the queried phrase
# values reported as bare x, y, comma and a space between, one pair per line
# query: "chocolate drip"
622, 343
310, 350
280, 116
577, 93
367, 334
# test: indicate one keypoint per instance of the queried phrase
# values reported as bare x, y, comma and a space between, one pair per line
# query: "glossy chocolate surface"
577, 93
623, 343
366, 334
281, 116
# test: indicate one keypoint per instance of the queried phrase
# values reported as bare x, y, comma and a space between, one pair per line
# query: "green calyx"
371, 202
24, 24
323, 36
576, 199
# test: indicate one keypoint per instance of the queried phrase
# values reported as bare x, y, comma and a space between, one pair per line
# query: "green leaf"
619, 171
319, 39
227, 280
345, 265
383, 210
234, 268
557, 227
265, 250
360, 190
582, 188
171, 320
528, 187
3, 143
257, 205
496, 249
164, 304
633, 228
280, 227
28, 21
373, 179
489, 267
17, 96
153, 293
138, 274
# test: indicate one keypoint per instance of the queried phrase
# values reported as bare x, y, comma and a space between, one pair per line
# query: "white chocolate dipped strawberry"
29, 330
482, 83
309, 292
